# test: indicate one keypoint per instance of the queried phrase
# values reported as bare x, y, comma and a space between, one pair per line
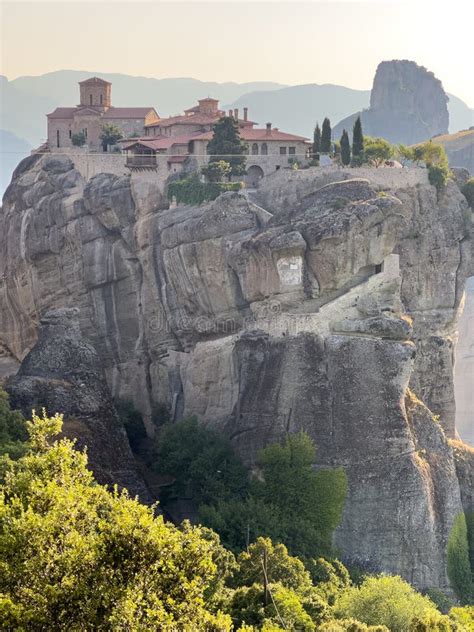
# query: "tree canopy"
110, 134
227, 145
316, 140
13, 432
377, 150
75, 556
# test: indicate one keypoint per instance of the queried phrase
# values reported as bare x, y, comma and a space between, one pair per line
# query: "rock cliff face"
62, 373
407, 105
329, 304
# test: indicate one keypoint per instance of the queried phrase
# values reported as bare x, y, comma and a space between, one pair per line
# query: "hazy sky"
288, 42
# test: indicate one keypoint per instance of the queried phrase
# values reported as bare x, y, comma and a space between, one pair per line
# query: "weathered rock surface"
62, 373
407, 105
318, 318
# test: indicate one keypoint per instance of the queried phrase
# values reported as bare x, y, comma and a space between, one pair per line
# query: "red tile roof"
118, 113
195, 119
110, 113
253, 134
161, 142
95, 80
62, 113
274, 134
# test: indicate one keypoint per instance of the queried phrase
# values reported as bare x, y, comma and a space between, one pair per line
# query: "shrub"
13, 432
438, 175
458, 565
468, 191
192, 191
463, 616
385, 600
132, 421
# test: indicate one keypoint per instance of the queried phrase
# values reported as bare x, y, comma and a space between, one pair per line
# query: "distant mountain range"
26, 100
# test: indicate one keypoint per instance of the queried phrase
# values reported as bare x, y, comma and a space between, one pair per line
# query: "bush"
350, 625
438, 175
132, 421
468, 191
192, 191
463, 616
386, 601
377, 150
13, 432
458, 564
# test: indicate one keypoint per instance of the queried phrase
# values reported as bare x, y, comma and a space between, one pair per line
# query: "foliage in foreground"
392, 602
76, 556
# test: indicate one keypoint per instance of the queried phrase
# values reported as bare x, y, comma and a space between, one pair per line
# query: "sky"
288, 42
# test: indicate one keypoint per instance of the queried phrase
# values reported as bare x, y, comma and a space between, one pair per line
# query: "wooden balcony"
141, 161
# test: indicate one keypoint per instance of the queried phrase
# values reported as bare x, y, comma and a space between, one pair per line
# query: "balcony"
141, 161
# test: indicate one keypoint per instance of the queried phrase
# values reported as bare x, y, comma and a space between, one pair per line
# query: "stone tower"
95, 92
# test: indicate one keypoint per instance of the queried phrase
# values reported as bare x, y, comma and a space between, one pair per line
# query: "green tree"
385, 600
405, 154
217, 171
357, 140
79, 139
280, 566
202, 462
110, 134
345, 148
75, 556
458, 563
311, 503
13, 432
227, 145
468, 192
377, 150
326, 136
316, 140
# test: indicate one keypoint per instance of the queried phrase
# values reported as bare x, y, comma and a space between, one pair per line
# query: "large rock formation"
62, 373
407, 105
313, 307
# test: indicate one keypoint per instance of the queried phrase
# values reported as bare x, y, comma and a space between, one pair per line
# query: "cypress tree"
316, 140
326, 137
345, 148
357, 139
227, 145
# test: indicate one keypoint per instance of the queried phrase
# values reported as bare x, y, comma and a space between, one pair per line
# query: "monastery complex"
148, 140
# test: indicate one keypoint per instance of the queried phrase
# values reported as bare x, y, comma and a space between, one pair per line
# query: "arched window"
254, 149
265, 149
90, 98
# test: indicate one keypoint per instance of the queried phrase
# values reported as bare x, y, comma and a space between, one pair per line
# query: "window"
277, 168
101, 99
90, 98
282, 151
265, 149
57, 138
292, 151
70, 133
254, 149
84, 131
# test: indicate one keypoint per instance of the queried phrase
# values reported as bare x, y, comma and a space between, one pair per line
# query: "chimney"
230, 113
246, 113
236, 114
269, 129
